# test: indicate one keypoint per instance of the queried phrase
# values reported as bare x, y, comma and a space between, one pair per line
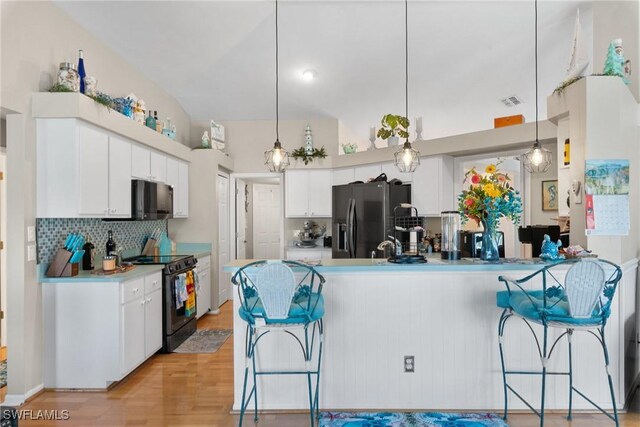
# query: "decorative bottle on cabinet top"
81, 71
151, 121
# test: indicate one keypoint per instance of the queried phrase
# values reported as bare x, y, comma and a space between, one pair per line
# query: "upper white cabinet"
308, 193
148, 165
392, 172
432, 185
342, 176
82, 171
178, 178
119, 180
365, 172
93, 172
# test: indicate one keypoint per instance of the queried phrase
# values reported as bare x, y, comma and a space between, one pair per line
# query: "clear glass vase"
489, 250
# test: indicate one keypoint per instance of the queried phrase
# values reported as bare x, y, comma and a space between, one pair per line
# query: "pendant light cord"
537, 143
406, 62
277, 109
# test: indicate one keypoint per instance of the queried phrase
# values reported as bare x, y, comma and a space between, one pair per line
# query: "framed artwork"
550, 195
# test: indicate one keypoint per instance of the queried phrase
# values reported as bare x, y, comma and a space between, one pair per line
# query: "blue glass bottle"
81, 71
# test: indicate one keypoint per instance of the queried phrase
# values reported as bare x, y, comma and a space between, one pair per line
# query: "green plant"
103, 99
393, 125
300, 153
58, 87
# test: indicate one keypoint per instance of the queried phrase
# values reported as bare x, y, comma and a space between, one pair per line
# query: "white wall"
248, 140
3, 238
35, 38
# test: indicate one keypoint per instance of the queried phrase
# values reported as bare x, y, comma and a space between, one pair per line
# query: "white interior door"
241, 219
224, 282
266, 221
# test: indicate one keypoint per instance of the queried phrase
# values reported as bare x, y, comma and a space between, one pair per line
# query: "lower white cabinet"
98, 332
203, 290
132, 345
310, 254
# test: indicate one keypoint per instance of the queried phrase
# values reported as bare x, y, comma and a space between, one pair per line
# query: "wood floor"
189, 390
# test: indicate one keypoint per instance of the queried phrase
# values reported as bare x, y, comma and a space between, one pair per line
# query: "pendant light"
538, 159
407, 158
277, 159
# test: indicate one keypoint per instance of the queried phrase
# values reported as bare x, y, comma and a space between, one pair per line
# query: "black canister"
87, 258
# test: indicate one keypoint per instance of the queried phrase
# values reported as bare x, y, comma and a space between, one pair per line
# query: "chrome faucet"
386, 243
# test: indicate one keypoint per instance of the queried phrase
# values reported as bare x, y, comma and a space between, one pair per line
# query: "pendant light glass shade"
538, 159
277, 159
407, 158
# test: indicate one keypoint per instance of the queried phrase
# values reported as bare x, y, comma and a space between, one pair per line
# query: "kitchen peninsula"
444, 313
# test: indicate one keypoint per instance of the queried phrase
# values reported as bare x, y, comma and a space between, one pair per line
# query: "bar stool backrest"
276, 285
584, 284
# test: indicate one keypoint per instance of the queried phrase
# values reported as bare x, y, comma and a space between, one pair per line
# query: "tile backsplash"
128, 235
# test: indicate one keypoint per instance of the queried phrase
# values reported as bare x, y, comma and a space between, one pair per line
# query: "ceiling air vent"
511, 101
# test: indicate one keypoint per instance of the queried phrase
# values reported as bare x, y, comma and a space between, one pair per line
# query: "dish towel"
180, 290
190, 307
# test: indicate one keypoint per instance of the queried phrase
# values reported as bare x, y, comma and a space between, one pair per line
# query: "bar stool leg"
247, 346
570, 339
307, 357
606, 362
255, 383
320, 336
501, 323
544, 375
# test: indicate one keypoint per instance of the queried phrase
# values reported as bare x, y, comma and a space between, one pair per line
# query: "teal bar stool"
581, 303
283, 296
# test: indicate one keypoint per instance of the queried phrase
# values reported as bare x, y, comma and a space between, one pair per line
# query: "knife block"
60, 266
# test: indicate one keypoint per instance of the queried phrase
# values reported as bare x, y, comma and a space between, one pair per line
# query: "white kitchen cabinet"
203, 291
364, 173
153, 323
320, 193
178, 178
93, 172
183, 191
308, 254
148, 164
121, 327
82, 171
158, 167
432, 185
308, 193
342, 176
392, 172
132, 344
140, 162
119, 178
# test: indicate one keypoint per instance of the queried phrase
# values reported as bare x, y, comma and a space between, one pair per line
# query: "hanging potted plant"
393, 126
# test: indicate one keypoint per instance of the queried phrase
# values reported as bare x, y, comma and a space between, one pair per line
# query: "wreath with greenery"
301, 153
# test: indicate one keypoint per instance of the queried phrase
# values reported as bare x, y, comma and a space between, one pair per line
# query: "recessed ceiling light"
309, 75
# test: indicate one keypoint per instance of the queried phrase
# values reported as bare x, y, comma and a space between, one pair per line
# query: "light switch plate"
31, 234
31, 253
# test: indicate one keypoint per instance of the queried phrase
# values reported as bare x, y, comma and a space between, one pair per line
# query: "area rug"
204, 341
409, 419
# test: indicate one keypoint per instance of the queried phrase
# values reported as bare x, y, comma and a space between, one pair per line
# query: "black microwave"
151, 200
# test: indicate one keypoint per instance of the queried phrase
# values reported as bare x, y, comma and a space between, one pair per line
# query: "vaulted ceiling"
217, 57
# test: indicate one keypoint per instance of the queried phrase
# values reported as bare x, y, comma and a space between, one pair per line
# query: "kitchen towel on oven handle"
180, 289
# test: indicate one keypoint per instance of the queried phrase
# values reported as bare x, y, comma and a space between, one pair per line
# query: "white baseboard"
212, 311
19, 399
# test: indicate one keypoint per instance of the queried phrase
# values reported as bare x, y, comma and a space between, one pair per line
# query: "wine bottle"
81, 71
158, 122
151, 121
111, 244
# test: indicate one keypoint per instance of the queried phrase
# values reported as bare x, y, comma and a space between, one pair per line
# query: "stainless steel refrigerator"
363, 217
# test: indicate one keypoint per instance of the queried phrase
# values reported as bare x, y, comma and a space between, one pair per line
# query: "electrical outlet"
409, 363
31, 253
31, 234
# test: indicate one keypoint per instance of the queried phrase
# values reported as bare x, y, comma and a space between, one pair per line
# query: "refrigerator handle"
348, 229
351, 219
